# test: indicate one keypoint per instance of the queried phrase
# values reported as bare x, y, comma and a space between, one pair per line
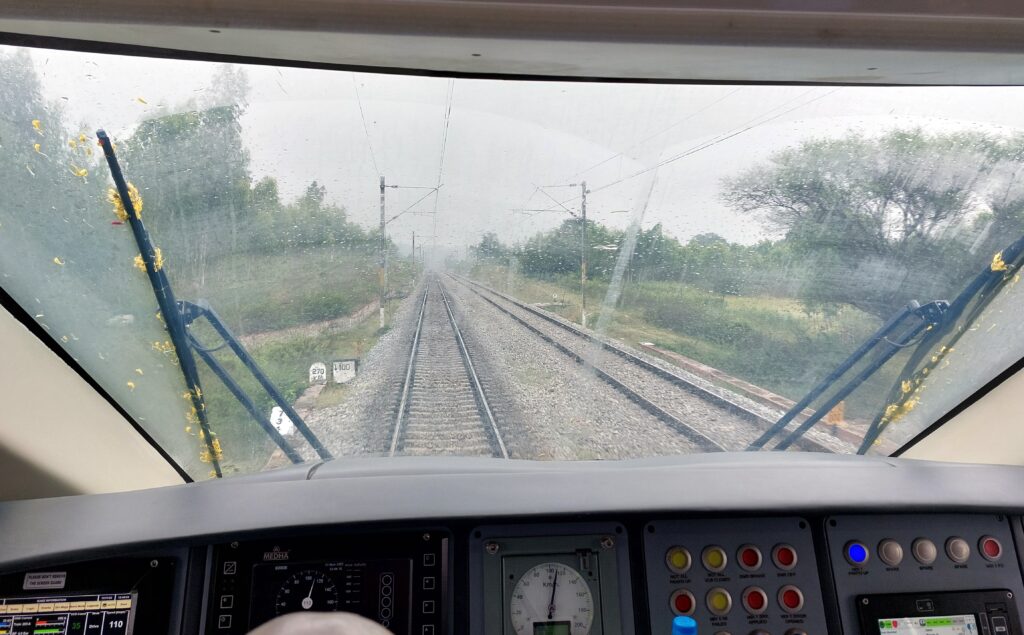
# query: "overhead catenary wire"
725, 136
366, 131
444, 146
658, 133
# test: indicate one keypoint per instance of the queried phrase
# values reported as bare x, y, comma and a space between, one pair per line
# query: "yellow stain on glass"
142, 101
139, 371
131, 385
997, 262
158, 261
38, 148
72, 144
119, 210
38, 125
58, 261
79, 172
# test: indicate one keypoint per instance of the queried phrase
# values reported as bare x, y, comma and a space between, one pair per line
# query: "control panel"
118, 596
734, 576
562, 579
884, 560
397, 579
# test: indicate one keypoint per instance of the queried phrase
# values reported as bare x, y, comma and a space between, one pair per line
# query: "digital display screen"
940, 625
551, 628
105, 614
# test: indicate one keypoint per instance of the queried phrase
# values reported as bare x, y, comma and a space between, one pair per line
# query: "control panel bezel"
985, 606
428, 550
151, 580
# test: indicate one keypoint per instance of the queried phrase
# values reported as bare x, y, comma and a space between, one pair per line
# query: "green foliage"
880, 221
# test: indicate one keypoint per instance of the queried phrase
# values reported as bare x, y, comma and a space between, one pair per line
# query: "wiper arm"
895, 335
178, 316
914, 320
975, 297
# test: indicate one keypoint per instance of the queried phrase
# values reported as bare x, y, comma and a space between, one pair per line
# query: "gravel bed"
728, 429
551, 408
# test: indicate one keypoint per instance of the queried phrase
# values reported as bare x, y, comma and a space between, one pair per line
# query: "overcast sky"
505, 138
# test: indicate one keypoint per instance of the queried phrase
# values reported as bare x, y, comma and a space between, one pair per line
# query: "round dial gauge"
555, 597
308, 590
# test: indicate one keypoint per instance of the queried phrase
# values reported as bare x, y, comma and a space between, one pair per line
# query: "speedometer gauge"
552, 598
309, 590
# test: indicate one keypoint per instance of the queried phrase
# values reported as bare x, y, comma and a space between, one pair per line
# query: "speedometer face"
552, 598
308, 590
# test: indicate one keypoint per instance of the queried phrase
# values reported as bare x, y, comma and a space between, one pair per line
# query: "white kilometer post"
555, 594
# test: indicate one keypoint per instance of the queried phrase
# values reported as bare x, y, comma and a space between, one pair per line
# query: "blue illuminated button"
856, 553
683, 625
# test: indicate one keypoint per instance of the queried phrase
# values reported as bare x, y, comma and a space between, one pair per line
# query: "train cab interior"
505, 317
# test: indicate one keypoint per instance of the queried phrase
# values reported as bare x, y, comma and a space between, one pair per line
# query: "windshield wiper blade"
179, 315
939, 315
896, 334
975, 296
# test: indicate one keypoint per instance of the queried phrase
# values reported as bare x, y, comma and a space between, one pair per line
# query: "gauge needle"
551, 604
307, 602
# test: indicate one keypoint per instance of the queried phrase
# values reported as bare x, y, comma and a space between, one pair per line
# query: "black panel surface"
398, 579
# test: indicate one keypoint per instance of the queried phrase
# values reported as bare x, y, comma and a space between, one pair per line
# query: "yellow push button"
718, 601
678, 560
714, 558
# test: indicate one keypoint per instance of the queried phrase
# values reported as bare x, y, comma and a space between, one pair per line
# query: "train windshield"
266, 265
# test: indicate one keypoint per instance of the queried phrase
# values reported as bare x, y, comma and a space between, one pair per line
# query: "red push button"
749, 557
990, 548
791, 598
682, 602
784, 556
755, 600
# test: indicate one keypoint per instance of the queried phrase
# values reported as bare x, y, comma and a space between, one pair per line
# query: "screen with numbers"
109, 614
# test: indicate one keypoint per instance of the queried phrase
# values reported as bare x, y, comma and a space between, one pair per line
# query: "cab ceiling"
825, 41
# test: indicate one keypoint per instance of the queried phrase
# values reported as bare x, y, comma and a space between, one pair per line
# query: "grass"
277, 285
256, 292
768, 341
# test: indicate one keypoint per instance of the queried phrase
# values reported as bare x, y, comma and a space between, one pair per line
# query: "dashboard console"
736, 568
399, 579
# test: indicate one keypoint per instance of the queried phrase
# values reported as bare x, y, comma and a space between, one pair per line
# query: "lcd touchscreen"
940, 625
79, 614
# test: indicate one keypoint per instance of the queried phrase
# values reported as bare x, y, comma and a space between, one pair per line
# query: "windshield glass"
314, 264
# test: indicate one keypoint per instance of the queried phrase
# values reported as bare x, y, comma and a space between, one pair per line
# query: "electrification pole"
414, 249
583, 255
382, 273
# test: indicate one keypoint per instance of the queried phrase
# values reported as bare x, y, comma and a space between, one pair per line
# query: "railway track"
709, 419
443, 408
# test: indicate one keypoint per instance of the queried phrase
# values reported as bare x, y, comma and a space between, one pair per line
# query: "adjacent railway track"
443, 408
709, 419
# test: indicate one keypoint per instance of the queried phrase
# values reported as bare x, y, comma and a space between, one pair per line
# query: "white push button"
890, 552
924, 550
958, 550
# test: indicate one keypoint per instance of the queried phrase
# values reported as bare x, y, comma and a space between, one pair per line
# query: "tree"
881, 221
490, 248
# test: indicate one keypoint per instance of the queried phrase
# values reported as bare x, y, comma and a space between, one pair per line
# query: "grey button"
890, 552
924, 550
958, 550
